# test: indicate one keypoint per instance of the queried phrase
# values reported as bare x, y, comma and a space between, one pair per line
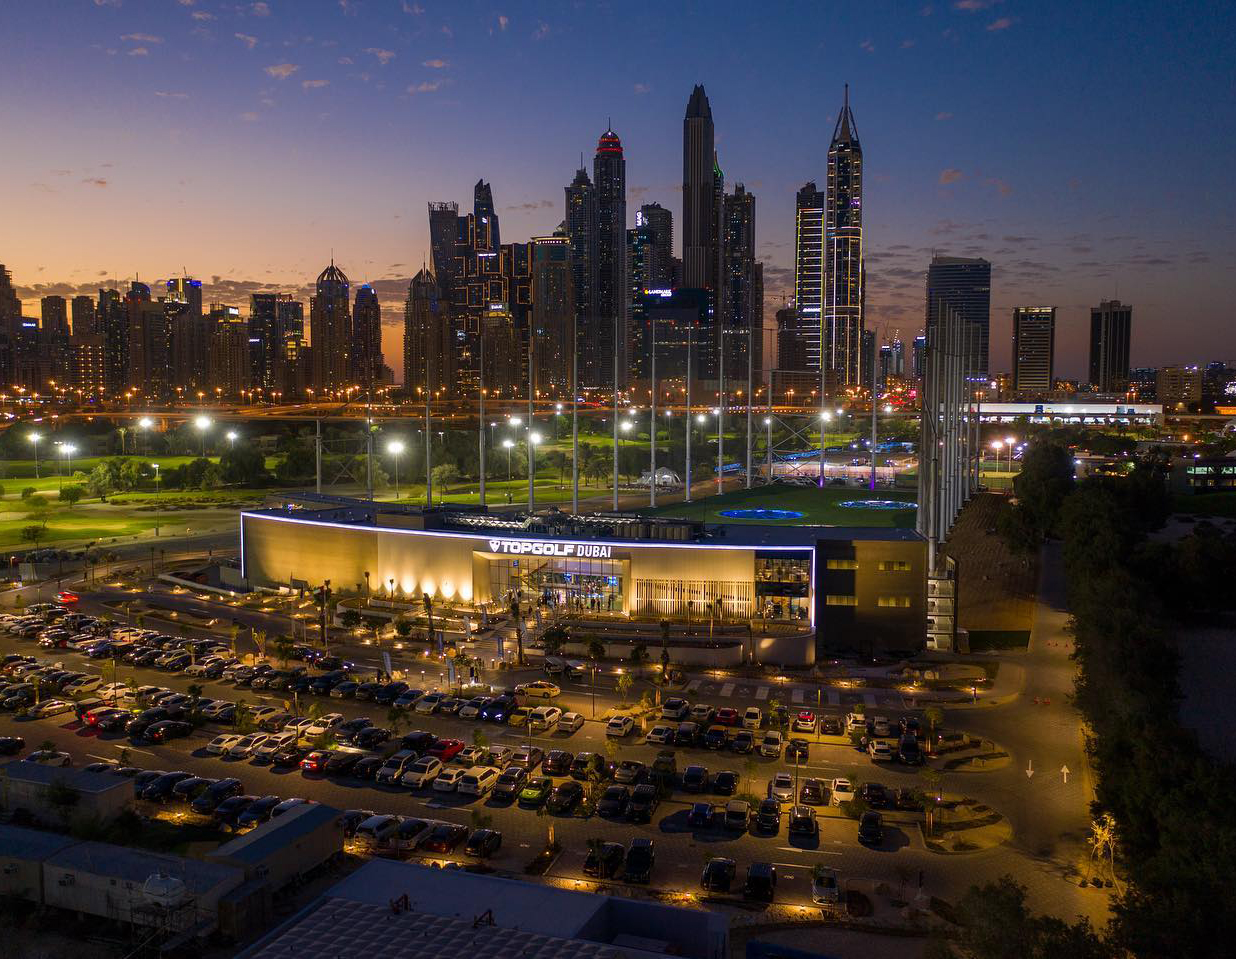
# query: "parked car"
804, 722
529, 757
167, 730
557, 762
825, 888
797, 751
447, 781
718, 874
641, 858
675, 709
871, 829
812, 792
802, 822
588, 766
781, 787
642, 805
613, 802
737, 814
725, 783
570, 722
761, 884
510, 783
771, 744
701, 815
695, 779
538, 689
565, 797
422, 772
743, 741
843, 791
394, 767
244, 746
159, 789
619, 726
880, 751
444, 837
544, 717
477, 781
228, 812
215, 794
535, 791
257, 812
629, 772
604, 860
660, 735
483, 843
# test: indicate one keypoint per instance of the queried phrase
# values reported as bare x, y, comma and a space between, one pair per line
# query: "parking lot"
694, 817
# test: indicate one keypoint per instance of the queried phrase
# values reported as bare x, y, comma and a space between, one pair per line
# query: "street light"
533, 438
509, 445
395, 447
201, 423
156, 510
231, 439
67, 450
34, 440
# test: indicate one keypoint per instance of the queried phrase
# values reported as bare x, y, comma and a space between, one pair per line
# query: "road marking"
761, 693
727, 690
796, 696
834, 698
693, 685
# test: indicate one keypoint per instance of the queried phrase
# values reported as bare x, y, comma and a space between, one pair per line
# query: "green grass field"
820, 507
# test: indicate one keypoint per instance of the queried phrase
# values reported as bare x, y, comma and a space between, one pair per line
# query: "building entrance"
572, 585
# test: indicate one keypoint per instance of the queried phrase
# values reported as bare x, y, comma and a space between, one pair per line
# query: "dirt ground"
995, 588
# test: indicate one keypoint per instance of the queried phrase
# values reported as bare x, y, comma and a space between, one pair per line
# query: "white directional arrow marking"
1029, 768
1064, 771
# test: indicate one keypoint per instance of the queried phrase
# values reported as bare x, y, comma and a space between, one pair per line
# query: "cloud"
95, 181
503, 22
345, 61
426, 86
1001, 24
107, 3
643, 88
535, 205
201, 16
171, 96
247, 40
261, 9
142, 38
973, 6
314, 84
415, 9
1001, 186
944, 115
906, 44
139, 52
249, 116
282, 71
868, 46
186, 3
951, 175
436, 64
541, 31
384, 56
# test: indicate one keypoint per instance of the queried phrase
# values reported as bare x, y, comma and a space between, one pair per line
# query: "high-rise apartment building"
658, 222
83, 312
188, 291
1111, 332
503, 352
150, 370
808, 277
844, 274
428, 340
553, 314
274, 320
54, 313
581, 228
965, 285
87, 364
54, 338
1179, 387
738, 292
330, 331
700, 216
192, 346
230, 365
443, 247
1034, 348
366, 358
112, 322
607, 339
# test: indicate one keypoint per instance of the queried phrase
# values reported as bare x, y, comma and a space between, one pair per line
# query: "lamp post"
156, 510
34, 441
395, 447
201, 423
1009, 441
533, 438
996, 446
231, 439
508, 445
67, 450
768, 447
825, 416
145, 424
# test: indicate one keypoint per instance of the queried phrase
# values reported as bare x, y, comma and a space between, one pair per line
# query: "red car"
444, 837
67, 596
727, 716
315, 762
804, 722
446, 749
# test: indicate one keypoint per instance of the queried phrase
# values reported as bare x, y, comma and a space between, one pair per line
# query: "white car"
752, 718
323, 724
131, 697
273, 744
880, 751
843, 791
84, 684
299, 726
429, 702
500, 756
781, 787
447, 781
825, 889
771, 744
619, 726
881, 726
198, 668
855, 723
544, 717
262, 713
111, 690
675, 709
214, 709
470, 756
422, 772
221, 745
477, 781
570, 722
246, 744
50, 707
660, 735
470, 709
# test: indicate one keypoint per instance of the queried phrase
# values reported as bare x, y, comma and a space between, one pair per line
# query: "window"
900, 602
894, 566
834, 599
842, 564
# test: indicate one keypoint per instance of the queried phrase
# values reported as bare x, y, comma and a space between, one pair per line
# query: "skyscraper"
842, 328
808, 276
964, 284
1034, 348
112, 323
608, 337
428, 342
330, 330
1111, 329
54, 312
443, 243
186, 290
274, 318
553, 314
700, 241
229, 351
150, 368
581, 228
83, 315
366, 349
659, 255
738, 313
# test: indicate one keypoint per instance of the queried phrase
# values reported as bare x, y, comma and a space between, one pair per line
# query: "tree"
32, 534
623, 686
28, 491
283, 645
1046, 478
428, 602
596, 649
71, 495
299, 462
37, 503
349, 619
403, 627
638, 657
243, 465
554, 638
444, 474
517, 616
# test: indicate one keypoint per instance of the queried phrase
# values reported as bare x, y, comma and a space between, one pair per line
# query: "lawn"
820, 507
1206, 504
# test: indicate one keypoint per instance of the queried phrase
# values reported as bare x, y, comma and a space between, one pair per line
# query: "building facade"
739, 315
808, 279
843, 321
428, 340
964, 285
1034, 348
553, 315
701, 242
330, 331
1111, 332
607, 339
368, 368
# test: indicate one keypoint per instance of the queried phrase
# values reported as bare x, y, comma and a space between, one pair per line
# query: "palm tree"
396, 719
428, 601
519, 630
665, 657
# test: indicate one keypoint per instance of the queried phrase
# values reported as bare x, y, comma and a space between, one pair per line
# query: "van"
555, 665
544, 717
376, 831
477, 781
575, 669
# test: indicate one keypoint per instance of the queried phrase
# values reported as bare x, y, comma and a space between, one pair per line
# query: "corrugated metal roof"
257, 846
79, 779
31, 845
138, 865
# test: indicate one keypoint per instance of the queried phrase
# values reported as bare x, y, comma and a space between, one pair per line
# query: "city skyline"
1061, 226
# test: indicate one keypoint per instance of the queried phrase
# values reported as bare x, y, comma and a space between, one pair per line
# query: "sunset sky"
1087, 149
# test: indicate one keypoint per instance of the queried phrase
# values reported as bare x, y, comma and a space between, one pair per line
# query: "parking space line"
834, 698
761, 693
693, 685
796, 696
815, 852
727, 690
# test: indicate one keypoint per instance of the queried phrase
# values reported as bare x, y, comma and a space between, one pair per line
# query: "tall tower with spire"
330, 330
700, 217
608, 337
581, 228
841, 326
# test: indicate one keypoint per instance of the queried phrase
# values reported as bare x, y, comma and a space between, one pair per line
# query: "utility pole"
531, 410
575, 413
875, 355
750, 398
480, 425
317, 452
720, 401
615, 385
652, 431
428, 441
369, 454
690, 344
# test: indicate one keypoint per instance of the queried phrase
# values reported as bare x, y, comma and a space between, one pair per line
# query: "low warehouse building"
56, 796
282, 850
22, 853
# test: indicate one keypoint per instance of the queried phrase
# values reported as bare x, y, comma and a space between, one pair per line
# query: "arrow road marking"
1064, 771
1029, 768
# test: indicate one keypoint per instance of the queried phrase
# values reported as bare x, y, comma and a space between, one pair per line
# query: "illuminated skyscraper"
842, 327
700, 217
428, 342
738, 293
1034, 348
581, 228
186, 290
553, 313
607, 339
1111, 329
965, 285
330, 331
659, 255
112, 324
366, 348
808, 277
443, 245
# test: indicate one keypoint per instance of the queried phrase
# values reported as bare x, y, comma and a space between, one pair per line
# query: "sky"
1086, 149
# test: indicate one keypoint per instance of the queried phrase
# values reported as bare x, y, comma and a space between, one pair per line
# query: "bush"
28, 492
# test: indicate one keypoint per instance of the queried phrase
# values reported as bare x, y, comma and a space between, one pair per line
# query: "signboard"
539, 547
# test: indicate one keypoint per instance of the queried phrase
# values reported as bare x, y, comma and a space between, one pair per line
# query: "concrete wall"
867, 626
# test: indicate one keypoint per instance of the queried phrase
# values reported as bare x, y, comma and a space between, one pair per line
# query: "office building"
1034, 348
150, 371
54, 338
443, 247
581, 228
738, 287
274, 319
808, 280
965, 285
681, 320
503, 357
10, 303
920, 355
368, 370
330, 331
659, 255
553, 315
1111, 331
187, 291
230, 365
83, 313
1179, 388
701, 243
54, 313
192, 348
112, 323
428, 340
844, 272
607, 339
87, 374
